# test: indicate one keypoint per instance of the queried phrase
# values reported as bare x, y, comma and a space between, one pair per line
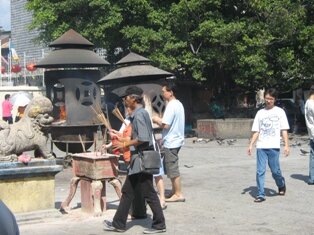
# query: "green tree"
252, 43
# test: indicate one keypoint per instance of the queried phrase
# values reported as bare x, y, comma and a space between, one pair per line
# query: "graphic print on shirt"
269, 125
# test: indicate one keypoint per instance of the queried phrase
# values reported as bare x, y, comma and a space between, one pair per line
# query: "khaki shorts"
171, 162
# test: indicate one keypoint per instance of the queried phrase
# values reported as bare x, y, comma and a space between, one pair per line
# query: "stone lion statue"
29, 133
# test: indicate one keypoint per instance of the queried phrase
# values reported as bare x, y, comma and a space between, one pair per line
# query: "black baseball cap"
132, 90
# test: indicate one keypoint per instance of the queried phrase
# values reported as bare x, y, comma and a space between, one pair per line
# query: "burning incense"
82, 143
118, 114
100, 116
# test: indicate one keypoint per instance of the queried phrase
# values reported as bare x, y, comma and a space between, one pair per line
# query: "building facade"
28, 51
22, 38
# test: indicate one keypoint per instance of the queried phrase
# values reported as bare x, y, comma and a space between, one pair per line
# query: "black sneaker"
154, 230
109, 227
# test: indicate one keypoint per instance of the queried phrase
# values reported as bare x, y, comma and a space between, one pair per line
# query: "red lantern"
16, 68
2, 69
31, 67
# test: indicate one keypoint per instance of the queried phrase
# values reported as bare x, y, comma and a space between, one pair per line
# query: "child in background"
20, 113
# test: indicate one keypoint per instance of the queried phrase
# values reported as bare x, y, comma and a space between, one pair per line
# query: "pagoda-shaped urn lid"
136, 68
133, 58
72, 50
71, 39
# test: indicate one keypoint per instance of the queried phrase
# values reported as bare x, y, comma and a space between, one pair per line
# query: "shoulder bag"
150, 159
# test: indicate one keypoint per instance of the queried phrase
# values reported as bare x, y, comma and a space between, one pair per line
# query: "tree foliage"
253, 43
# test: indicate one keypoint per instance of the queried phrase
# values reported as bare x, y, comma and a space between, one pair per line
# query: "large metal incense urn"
134, 69
72, 70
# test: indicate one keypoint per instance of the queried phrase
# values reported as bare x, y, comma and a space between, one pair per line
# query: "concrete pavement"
219, 186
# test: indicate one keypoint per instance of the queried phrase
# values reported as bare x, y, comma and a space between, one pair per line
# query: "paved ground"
219, 186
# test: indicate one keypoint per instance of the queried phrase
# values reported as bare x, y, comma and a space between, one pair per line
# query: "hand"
286, 151
117, 145
106, 146
249, 151
114, 133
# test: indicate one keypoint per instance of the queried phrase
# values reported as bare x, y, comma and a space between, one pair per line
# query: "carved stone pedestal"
28, 187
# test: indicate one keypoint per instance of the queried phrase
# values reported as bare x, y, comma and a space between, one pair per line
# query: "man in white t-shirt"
309, 118
269, 124
172, 123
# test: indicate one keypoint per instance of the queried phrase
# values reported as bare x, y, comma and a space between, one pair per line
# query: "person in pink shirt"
7, 109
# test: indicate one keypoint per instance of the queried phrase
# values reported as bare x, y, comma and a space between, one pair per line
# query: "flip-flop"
175, 199
282, 191
259, 199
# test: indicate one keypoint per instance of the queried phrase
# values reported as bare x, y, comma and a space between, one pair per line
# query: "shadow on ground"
300, 177
252, 190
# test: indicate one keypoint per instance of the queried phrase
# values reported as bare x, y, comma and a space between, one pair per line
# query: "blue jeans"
311, 165
272, 156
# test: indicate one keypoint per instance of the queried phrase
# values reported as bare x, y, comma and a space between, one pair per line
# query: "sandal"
175, 198
282, 191
259, 199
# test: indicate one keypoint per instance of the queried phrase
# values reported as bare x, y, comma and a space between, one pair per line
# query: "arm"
124, 142
114, 133
284, 134
124, 139
158, 121
253, 140
106, 146
309, 118
140, 131
309, 124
